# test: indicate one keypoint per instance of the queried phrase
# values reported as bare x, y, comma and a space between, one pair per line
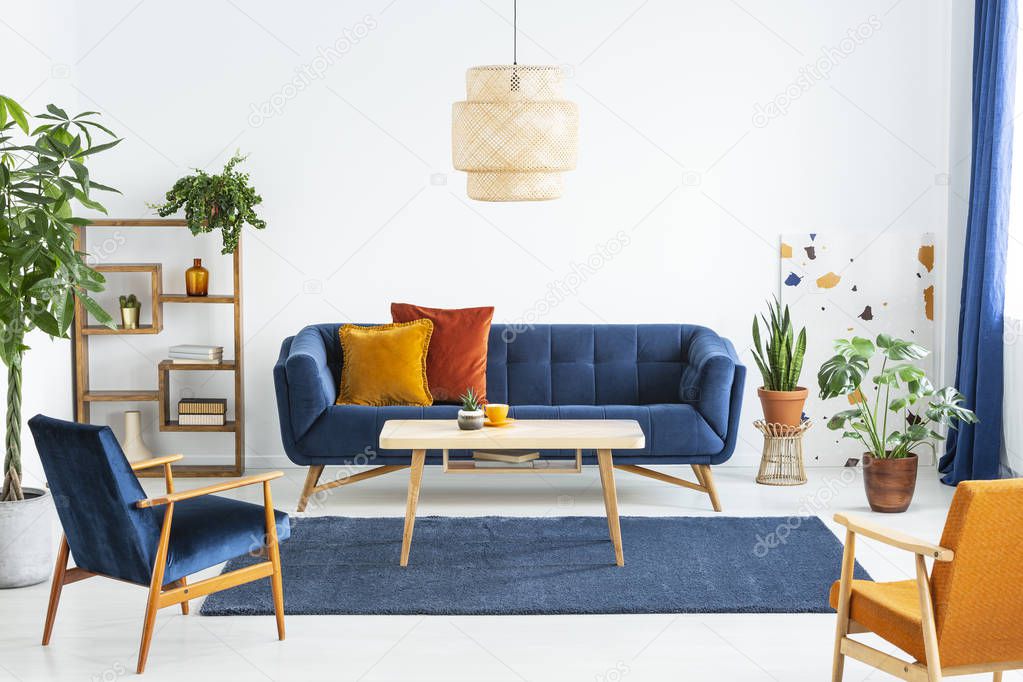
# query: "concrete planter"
26, 539
471, 420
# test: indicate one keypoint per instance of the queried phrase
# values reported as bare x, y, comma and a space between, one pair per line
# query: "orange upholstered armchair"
967, 616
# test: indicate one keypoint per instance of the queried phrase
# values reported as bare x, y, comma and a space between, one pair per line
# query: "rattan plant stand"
782, 459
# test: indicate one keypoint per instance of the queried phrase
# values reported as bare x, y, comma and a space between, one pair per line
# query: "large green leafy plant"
900, 391
780, 359
43, 179
212, 202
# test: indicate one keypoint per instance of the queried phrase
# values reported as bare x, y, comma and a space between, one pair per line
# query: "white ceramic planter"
471, 420
26, 539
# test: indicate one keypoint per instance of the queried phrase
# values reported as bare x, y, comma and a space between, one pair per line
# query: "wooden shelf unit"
82, 331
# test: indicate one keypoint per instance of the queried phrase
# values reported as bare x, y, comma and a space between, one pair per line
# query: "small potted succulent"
471, 416
130, 308
780, 361
889, 463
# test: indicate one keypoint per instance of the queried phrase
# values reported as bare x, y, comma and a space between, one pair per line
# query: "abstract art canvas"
839, 286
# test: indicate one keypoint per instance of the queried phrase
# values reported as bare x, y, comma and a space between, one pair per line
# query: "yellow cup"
496, 412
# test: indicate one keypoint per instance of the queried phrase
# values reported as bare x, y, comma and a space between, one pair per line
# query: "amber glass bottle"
197, 279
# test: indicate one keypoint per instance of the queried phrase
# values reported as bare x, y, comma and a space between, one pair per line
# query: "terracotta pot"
889, 482
783, 407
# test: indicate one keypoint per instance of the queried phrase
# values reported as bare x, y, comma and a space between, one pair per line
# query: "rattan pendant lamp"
514, 135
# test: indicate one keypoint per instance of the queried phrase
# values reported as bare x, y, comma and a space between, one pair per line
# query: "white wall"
670, 154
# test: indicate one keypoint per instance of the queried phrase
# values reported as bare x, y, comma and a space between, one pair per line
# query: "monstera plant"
891, 419
44, 179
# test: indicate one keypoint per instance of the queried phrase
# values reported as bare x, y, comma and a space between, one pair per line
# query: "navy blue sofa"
682, 383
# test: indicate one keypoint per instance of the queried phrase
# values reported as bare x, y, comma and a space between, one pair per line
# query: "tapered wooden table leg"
415, 479
607, 480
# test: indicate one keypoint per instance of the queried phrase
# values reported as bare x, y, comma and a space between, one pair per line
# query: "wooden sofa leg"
699, 474
311, 479
707, 478
703, 475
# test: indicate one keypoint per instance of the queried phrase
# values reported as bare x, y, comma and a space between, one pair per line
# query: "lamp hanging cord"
515, 32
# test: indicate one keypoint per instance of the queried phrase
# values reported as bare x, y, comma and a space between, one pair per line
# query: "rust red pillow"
457, 357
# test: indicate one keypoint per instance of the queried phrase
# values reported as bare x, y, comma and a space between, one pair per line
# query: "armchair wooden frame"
313, 486
180, 591
931, 670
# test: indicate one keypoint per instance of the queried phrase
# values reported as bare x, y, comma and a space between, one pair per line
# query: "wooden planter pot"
889, 483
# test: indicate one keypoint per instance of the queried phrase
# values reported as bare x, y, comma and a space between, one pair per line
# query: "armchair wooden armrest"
155, 462
867, 528
171, 498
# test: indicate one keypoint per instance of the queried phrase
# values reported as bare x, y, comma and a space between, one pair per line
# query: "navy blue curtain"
973, 452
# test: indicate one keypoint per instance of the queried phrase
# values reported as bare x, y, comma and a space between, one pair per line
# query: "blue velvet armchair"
112, 529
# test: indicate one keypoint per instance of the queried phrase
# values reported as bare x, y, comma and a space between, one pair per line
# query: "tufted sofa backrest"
580, 364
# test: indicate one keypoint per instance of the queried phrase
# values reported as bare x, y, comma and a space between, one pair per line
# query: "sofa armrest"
311, 388
707, 382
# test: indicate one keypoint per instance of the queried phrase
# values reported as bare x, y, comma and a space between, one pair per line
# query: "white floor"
98, 626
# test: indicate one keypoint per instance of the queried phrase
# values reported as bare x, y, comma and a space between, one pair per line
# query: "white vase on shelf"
134, 448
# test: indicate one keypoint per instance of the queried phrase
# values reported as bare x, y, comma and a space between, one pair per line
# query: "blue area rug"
505, 565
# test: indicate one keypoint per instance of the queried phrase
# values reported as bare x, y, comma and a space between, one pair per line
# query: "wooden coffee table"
602, 435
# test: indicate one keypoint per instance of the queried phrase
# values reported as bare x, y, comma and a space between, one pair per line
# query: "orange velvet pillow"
457, 357
385, 364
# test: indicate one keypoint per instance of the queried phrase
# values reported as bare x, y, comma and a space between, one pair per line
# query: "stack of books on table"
202, 411
191, 354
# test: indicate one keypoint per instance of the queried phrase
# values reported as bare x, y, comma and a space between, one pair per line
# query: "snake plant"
780, 359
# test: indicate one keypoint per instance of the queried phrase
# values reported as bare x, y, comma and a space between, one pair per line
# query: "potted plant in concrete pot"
471, 416
225, 201
780, 361
889, 430
43, 175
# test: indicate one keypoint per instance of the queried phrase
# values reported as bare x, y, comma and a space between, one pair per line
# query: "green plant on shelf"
224, 201
129, 301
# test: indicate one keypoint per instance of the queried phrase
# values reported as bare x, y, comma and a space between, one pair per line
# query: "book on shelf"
201, 419
202, 406
486, 464
197, 349
196, 361
511, 456
554, 464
